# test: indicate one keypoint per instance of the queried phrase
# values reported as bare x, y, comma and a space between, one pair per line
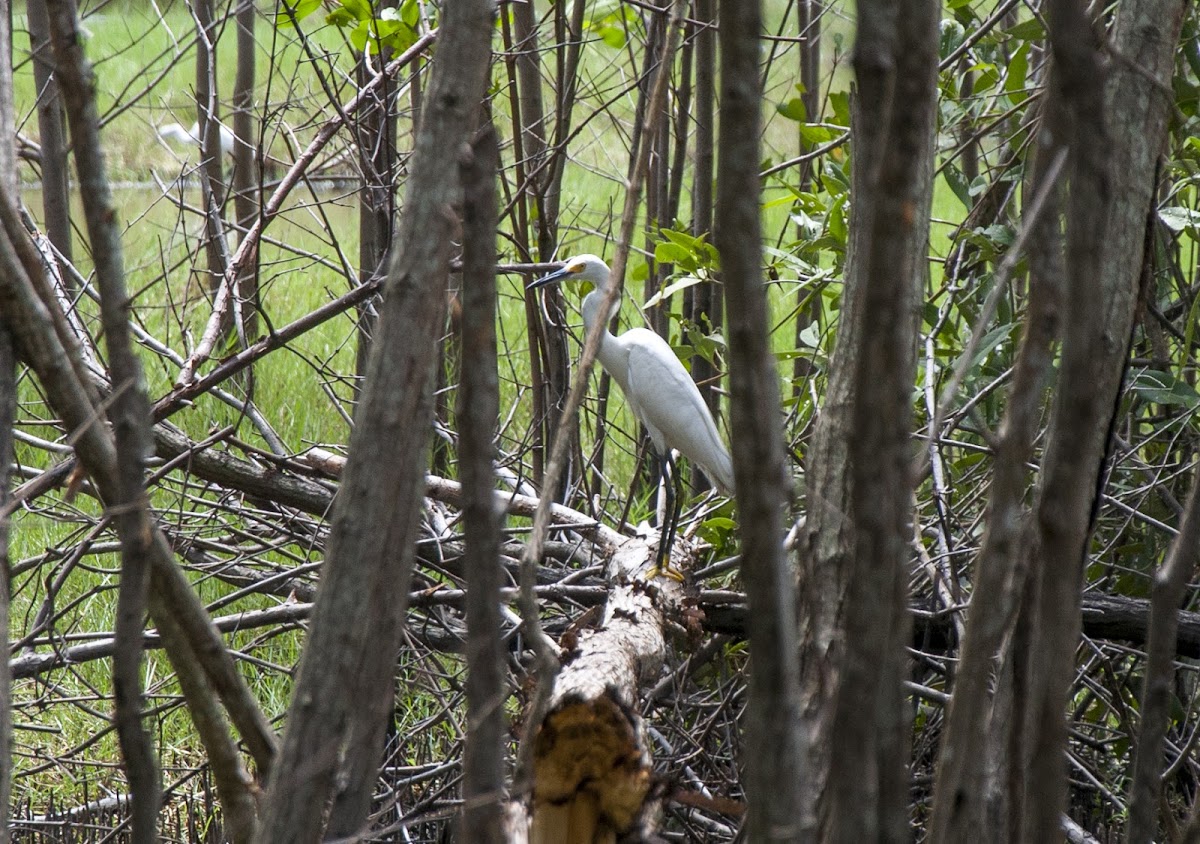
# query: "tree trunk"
375, 130
52, 133
771, 755
246, 160
478, 410
702, 302
344, 688
853, 571
208, 116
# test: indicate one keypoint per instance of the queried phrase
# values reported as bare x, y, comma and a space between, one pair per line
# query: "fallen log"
592, 770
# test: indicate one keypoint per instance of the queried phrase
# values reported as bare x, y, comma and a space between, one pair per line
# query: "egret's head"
580, 268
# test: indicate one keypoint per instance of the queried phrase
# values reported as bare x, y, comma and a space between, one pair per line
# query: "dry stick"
1111, 619
479, 407
8, 407
1170, 584
73, 399
129, 411
547, 664
249, 243
171, 601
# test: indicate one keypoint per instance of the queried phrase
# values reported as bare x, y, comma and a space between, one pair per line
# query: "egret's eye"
575, 268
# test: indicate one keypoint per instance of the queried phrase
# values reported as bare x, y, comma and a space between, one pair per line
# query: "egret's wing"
665, 397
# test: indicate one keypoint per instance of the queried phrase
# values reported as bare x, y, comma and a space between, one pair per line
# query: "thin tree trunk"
772, 755
129, 412
208, 116
808, 16
853, 617
1115, 136
961, 798
1169, 588
52, 133
479, 407
895, 61
344, 689
375, 128
246, 166
1148, 33
705, 304
1076, 444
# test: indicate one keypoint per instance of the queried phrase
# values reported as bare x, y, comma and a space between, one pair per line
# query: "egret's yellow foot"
662, 568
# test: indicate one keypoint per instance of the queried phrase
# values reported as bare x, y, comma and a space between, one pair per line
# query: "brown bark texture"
479, 407
344, 689
773, 779
853, 579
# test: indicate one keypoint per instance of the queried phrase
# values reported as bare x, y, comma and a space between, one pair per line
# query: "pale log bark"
592, 770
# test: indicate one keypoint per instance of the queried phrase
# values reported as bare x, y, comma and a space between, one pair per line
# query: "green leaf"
340, 17
1030, 30
361, 9
951, 36
958, 185
1179, 219
1164, 388
680, 238
814, 135
299, 11
670, 253
839, 103
410, 13
793, 109
360, 35
1018, 69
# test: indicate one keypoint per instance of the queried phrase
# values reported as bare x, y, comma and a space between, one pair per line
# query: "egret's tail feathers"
720, 472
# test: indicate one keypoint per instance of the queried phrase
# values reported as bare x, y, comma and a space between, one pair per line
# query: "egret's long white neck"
592, 305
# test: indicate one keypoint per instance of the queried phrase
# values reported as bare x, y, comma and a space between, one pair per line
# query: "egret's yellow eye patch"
575, 268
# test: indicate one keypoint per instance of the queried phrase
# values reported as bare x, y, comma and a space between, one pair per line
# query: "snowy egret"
191, 137
658, 388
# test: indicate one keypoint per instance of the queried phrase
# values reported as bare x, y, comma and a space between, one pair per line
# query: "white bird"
657, 386
191, 136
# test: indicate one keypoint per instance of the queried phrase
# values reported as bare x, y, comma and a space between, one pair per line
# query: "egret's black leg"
666, 533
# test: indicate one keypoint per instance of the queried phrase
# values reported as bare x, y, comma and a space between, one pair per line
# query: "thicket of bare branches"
319, 524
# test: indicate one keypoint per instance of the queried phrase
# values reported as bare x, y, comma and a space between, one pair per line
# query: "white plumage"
655, 383
191, 136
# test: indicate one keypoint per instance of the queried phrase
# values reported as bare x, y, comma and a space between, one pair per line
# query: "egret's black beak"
556, 276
